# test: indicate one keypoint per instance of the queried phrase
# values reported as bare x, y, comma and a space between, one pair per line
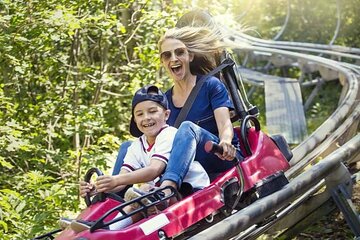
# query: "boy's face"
150, 117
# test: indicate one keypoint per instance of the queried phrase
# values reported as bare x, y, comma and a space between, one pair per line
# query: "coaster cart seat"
256, 176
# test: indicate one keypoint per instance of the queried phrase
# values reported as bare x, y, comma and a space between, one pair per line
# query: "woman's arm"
146, 174
226, 133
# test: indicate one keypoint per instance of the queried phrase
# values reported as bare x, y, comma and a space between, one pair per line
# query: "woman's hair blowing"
203, 41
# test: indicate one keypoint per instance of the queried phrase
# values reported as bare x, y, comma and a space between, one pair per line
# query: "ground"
334, 225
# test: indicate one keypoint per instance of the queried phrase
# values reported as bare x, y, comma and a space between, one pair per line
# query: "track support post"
342, 198
341, 192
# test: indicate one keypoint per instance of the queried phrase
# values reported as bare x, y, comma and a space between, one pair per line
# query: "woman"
187, 54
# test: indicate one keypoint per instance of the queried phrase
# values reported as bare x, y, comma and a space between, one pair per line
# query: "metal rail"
244, 38
266, 207
260, 216
344, 108
346, 115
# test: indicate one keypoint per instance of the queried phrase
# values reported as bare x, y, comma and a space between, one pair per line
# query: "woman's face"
176, 59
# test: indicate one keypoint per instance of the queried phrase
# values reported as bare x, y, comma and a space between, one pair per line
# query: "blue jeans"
188, 146
120, 157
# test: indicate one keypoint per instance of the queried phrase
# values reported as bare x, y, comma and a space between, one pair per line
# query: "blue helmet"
151, 93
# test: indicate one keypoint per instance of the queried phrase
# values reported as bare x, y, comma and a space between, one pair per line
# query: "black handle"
90, 172
212, 147
244, 132
87, 178
230, 81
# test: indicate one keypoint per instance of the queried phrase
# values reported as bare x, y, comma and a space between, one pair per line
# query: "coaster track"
336, 140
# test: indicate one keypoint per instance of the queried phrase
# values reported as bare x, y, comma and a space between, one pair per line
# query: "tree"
68, 73
68, 70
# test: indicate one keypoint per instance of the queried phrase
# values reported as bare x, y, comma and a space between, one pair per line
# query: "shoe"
133, 193
160, 195
64, 222
80, 225
164, 192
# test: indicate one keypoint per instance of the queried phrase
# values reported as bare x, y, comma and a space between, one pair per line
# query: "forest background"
68, 70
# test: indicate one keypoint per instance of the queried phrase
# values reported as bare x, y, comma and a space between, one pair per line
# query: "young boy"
147, 157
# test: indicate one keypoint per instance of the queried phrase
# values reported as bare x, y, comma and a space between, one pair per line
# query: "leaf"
4, 225
15, 143
20, 206
11, 192
5, 163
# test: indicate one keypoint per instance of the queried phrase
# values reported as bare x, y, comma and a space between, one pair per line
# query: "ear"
191, 56
167, 114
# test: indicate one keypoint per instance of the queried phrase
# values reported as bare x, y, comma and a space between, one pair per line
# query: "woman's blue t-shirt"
212, 95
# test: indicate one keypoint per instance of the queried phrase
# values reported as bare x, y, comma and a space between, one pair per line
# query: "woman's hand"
86, 188
229, 151
106, 183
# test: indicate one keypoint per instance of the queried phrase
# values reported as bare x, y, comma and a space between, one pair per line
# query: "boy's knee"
187, 125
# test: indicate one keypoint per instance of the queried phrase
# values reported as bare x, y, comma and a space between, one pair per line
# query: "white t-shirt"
140, 153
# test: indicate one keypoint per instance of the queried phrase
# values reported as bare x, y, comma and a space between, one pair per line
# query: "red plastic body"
266, 159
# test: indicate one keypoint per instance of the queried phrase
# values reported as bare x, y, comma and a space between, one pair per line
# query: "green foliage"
310, 21
67, 73
325, 103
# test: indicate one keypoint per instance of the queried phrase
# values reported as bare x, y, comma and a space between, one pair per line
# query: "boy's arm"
146, 174
88, 188
118, 187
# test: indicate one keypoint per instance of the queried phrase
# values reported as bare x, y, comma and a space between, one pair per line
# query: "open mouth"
148, 125
176, 68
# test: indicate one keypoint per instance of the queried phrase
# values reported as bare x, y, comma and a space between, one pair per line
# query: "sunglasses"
179, 52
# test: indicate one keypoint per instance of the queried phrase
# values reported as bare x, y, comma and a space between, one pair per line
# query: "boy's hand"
86, 188
105, 183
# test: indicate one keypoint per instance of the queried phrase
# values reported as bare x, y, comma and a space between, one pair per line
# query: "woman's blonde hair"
203, 41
